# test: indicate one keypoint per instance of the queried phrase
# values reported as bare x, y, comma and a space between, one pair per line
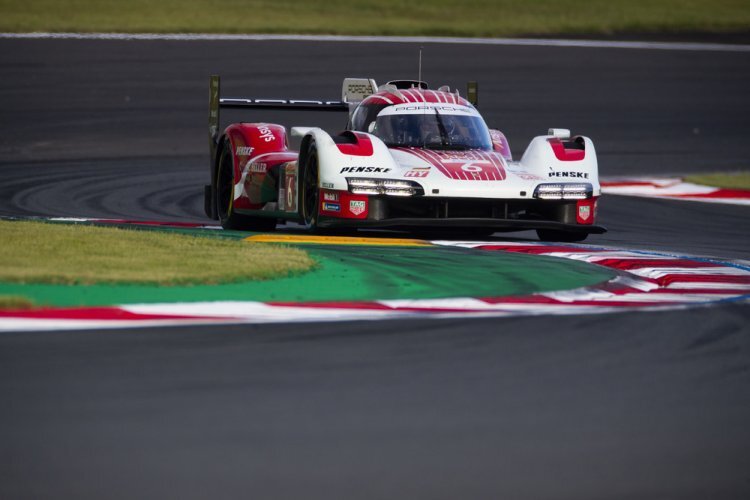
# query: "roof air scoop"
408, 84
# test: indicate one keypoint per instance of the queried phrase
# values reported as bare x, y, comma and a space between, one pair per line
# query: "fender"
348, 154
249, 140
559, 160
257, 148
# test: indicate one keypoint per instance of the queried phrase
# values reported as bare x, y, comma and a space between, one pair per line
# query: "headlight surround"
388, 187
564, 191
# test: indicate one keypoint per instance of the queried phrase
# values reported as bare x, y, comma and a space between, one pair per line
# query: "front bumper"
461, 213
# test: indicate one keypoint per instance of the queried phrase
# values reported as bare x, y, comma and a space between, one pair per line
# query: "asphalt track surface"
649, 405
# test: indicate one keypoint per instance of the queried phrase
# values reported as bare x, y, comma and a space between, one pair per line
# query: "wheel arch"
303, 152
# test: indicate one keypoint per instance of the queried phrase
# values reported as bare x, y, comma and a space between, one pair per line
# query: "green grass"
36, 252
378, 17
15, 302
731, 180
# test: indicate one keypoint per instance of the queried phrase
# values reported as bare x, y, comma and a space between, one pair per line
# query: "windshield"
432, 127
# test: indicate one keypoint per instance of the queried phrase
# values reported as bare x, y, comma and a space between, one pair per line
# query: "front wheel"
310, 188
225, 199
561, 236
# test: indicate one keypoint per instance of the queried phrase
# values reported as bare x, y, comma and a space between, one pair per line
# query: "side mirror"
560, 133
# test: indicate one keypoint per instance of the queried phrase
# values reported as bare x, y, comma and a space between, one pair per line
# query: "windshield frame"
468, 131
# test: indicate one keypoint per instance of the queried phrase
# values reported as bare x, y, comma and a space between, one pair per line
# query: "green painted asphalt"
352, 273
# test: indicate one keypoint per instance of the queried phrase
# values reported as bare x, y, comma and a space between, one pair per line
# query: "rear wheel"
310, 189
562, 236
225, 199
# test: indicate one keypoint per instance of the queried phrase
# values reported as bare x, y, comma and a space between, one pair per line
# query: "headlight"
389, 187
563, 191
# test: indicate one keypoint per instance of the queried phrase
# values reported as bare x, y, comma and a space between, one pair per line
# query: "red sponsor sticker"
357, 207
417, 172
586, 211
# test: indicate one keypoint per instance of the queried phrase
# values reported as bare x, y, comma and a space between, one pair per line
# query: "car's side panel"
352, 154
361, 154
260, 151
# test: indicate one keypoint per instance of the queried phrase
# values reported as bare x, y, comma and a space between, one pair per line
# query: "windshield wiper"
443, 132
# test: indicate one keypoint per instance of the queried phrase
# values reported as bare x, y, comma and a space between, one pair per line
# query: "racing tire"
561, 236
311, 189
228, 218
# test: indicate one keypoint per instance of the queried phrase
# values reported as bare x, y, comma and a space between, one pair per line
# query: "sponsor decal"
330, 197
572, 175
357, 207
331, 207
265, 133
468, 167
359, 89
418, 172
258, 168
527, 176
291, 191
327, 185
244, 151
584, 212
358, 170
456, 109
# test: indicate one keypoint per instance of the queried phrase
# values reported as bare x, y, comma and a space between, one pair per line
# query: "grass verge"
15, 302
378, 17
37, 252
731, 180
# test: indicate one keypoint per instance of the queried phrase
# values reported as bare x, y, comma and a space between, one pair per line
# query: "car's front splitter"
460, 223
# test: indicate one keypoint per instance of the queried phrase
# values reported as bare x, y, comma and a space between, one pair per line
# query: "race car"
409, 157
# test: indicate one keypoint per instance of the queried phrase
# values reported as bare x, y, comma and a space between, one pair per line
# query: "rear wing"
216, 103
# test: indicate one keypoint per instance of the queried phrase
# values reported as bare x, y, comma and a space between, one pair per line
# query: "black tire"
561, 236
310, 188
225, 199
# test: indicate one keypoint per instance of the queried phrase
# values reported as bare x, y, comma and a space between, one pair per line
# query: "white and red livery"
409, 157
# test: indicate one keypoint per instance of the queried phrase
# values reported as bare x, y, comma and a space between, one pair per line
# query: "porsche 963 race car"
410, 157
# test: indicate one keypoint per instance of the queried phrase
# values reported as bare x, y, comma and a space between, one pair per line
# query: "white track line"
672, 189
524, 42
